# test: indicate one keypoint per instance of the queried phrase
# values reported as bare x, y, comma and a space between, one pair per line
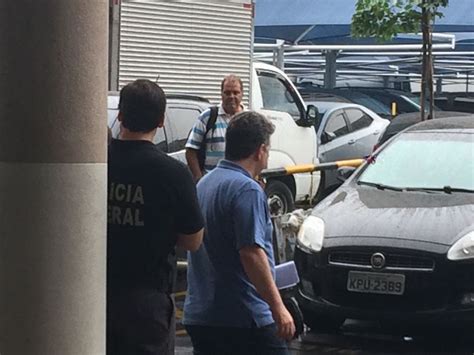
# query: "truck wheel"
280, 198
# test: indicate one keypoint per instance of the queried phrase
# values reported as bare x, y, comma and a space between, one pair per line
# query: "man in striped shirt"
214, 140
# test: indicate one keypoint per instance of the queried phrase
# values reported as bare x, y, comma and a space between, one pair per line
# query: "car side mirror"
326, 137
312, 114
344, 173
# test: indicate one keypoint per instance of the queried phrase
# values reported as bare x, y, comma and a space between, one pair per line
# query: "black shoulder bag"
211, 125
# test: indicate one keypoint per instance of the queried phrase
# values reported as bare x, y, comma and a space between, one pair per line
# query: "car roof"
171, 96
374, 88
328, 105
459, 123
113, 99
405, 120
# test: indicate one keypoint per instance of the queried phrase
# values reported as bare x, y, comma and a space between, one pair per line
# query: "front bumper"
430, 297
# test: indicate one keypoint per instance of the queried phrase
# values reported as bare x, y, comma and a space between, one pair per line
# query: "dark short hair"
232, 77
246, 132
142, 105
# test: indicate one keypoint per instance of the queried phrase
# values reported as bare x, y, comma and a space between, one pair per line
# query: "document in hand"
286, 275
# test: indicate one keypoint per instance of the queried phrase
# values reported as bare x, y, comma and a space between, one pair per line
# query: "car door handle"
351, 141
376, 132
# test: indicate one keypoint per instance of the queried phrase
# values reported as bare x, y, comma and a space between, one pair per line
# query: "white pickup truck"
188, 46
294, 141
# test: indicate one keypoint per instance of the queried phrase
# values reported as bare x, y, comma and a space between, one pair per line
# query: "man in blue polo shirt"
233, 305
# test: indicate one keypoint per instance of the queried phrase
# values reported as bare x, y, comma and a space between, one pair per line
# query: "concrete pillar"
114, 37
330, 73
53, 86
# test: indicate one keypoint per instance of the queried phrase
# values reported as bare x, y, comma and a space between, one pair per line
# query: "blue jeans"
209, 340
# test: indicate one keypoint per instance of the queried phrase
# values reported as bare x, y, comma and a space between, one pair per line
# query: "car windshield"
424, 160
417, 101
373, 104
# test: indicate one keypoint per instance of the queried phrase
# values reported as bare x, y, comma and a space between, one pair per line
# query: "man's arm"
193, 163
255, 263
190, 242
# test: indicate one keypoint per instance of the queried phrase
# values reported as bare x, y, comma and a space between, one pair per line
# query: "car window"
113, 122
180, 121
375, 105
276, 96
403, 105
417, 100
336, 125
358, 119
424, 160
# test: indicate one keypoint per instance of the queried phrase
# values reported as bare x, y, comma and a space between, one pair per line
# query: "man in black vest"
152, 208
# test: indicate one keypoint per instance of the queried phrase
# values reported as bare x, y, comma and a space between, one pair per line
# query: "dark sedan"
395, 242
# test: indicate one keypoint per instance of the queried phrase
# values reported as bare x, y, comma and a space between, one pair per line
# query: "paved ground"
366, 339
359, 338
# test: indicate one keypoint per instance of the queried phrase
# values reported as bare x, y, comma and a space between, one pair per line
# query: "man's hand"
193, 163
255, 263
285, 324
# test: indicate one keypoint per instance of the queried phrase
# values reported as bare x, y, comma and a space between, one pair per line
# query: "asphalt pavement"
364, 338
360, 338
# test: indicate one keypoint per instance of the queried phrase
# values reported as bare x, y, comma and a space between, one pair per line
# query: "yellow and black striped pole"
309, 168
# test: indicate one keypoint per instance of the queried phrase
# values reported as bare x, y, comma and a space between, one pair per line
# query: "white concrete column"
53, 87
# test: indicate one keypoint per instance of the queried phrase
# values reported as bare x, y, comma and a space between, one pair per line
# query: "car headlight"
463, 249
311, 234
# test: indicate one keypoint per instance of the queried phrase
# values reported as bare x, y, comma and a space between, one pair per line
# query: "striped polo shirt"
215, 138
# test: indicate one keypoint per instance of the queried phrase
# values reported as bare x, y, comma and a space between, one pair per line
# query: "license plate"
371, 282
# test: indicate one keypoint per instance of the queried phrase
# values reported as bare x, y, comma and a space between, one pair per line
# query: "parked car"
406, 120
345, 131
293, 142
312, 93
404, 101
456, 101
182, 112
395, 243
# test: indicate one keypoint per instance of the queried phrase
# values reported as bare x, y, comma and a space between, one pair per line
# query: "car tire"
280, 198
322, 323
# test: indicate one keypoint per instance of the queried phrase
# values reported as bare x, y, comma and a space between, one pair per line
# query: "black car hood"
420, 216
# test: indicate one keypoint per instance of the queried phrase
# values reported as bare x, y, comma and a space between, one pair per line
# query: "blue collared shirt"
236, 213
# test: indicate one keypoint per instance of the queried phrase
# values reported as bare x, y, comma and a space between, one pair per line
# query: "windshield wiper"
446, 189
380, 186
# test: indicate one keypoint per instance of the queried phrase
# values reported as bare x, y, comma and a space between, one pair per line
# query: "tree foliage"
384, 19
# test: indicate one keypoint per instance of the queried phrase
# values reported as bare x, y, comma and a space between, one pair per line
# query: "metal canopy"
308, 30
312, 21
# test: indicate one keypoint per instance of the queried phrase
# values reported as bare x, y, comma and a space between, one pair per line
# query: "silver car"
345, 131
182, 112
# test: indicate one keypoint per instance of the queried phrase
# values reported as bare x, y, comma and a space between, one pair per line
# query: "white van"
294, 141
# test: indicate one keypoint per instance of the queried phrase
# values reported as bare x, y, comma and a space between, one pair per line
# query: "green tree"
384, 19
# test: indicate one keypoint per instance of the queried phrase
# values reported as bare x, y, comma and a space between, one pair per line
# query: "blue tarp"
331, 19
